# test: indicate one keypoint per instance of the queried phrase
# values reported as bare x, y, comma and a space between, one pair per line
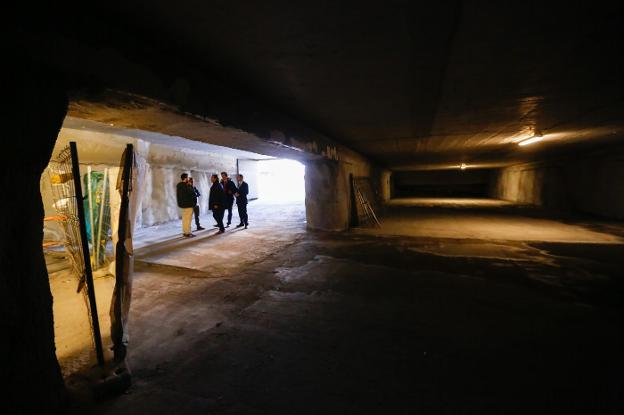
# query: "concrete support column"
383, 182
30, 371
327, 195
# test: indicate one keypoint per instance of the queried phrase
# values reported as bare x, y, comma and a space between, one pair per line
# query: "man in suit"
217, 202
186, 202
196, 207
241, 201
230, 190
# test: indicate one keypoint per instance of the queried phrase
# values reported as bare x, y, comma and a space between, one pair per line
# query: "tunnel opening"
490, 204
281, 181
449, 183
486, 297
276, 193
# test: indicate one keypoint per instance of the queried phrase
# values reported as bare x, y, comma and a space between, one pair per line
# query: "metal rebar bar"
85, 252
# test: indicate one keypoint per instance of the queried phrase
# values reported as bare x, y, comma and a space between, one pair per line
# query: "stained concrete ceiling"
413, 84
168, 141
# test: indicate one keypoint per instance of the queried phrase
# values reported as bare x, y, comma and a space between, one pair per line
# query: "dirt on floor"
375, 323
73, 331
209, 256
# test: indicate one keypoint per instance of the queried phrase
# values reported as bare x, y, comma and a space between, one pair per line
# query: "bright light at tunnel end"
281, 180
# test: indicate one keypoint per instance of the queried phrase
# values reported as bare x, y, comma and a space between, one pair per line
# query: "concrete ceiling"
72, 123
413, 84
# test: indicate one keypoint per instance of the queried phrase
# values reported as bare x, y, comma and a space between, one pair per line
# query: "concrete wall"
592, 183
385, 184
328, 190
164, 166
32, 381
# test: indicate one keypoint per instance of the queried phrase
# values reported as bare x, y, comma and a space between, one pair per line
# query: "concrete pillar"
327, 195
383, 182
30, 373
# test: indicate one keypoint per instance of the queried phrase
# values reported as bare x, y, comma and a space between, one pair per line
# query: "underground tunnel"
434, 192
157, 224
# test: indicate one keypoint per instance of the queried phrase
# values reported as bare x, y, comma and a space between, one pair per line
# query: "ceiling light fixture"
536, 137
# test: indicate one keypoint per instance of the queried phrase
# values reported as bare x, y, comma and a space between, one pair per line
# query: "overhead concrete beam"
109, 86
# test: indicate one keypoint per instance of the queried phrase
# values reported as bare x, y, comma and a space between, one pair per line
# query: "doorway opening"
276, 217
281, 181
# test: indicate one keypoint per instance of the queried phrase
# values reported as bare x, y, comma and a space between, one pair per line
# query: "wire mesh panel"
64, 196
61, 176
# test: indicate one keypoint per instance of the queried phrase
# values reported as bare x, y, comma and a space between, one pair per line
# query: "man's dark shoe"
200, 228
246, 226
188, 235
216, 226
239, 225
221, 231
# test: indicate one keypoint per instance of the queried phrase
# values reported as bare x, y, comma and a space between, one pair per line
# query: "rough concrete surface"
358, 323
101, 146
589, 182
484, 219
156, 246
216, 254
72, 325
327, 195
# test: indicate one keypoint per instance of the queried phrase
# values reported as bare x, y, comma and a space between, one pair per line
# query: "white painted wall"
164, 166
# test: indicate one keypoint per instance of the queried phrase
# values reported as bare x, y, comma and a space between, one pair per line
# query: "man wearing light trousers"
186, 203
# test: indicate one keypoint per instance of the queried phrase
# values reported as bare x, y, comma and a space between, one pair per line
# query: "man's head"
184, 177
240, 177
190, 180
224, 176
214, 178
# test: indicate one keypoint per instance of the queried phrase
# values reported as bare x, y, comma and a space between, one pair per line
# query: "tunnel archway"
281, 180
486, 299
278, 209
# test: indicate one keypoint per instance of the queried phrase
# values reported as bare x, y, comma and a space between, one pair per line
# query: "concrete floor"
216, 254
487, 219
72, 325
161, 244
370, 322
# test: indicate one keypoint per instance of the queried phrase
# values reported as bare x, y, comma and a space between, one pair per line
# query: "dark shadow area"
349, 323
455, 304
441, 183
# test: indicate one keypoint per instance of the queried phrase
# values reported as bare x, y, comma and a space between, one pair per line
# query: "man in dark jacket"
196, 206
241, 201
230, 190
217, 201
186, 202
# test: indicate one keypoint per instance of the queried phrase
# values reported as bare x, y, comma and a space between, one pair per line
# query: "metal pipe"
85, 252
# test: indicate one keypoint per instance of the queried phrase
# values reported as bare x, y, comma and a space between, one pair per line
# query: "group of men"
222, 195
